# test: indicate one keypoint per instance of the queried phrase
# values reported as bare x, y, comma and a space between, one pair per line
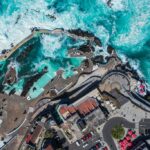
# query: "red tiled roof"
71, 109
84, 108
87, 106
63, 109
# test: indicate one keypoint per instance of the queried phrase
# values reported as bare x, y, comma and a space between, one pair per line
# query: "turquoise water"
52, 55
125, 25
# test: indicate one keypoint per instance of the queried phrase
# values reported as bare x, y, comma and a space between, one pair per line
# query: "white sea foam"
32, 15
134, 63
16, 26
117, 5
50, 45
123, 58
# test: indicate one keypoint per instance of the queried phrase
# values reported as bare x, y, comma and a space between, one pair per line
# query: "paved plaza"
132, 113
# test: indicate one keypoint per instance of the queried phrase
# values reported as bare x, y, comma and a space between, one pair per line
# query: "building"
141, 145
144, 127
36, 134
82, 108
80, 116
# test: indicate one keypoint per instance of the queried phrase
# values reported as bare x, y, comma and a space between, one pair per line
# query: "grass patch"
118, 132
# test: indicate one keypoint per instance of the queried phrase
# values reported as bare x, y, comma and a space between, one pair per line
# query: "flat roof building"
37, 132
144, 126
141, 145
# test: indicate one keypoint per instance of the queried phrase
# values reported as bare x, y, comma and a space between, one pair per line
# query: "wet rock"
82, 33
97, 41
30, 83
110, 49
10, 76
51, 17
98, 59
4, 51
86, 48
109, 3
18, 18
12, 91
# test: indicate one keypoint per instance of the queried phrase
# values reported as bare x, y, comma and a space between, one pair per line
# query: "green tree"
118, 132
49, 134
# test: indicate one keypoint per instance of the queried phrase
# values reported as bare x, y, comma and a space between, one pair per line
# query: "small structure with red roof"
142, 89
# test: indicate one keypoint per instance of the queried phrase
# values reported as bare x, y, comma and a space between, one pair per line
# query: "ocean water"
45, 51
125, 25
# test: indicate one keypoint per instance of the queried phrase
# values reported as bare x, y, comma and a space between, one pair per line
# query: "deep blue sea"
125, 25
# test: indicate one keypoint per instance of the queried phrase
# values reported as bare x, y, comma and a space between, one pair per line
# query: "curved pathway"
114, 72
109, 125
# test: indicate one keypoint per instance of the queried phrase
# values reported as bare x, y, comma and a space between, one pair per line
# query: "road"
94, 80
90, 143
138, 100
108, 127
80, 91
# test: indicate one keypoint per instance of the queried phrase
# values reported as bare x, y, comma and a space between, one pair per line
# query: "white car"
77, 143
85, 145
82, 141
92, 132
98, 141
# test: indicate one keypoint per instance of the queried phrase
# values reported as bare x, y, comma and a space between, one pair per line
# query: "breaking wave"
125, 25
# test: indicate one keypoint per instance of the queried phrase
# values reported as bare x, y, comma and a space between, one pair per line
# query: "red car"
84, 138
98, 146
87, 136
105, 148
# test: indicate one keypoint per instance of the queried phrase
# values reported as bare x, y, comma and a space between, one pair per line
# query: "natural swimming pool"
41, 52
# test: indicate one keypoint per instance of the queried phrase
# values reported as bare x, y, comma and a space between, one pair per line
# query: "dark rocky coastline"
88, 34
30, 83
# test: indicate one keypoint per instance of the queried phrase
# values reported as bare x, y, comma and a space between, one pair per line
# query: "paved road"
94, 80
91, 142
109, 125
141, 102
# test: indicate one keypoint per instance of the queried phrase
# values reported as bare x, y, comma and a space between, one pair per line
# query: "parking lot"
89, 143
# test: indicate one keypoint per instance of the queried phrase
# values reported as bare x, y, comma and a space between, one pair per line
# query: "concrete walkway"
42, 31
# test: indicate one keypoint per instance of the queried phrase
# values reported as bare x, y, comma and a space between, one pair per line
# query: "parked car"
105, 148
82, 141
85, 145
87, 137
98, 145
98, 141
77, 143
92, 133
